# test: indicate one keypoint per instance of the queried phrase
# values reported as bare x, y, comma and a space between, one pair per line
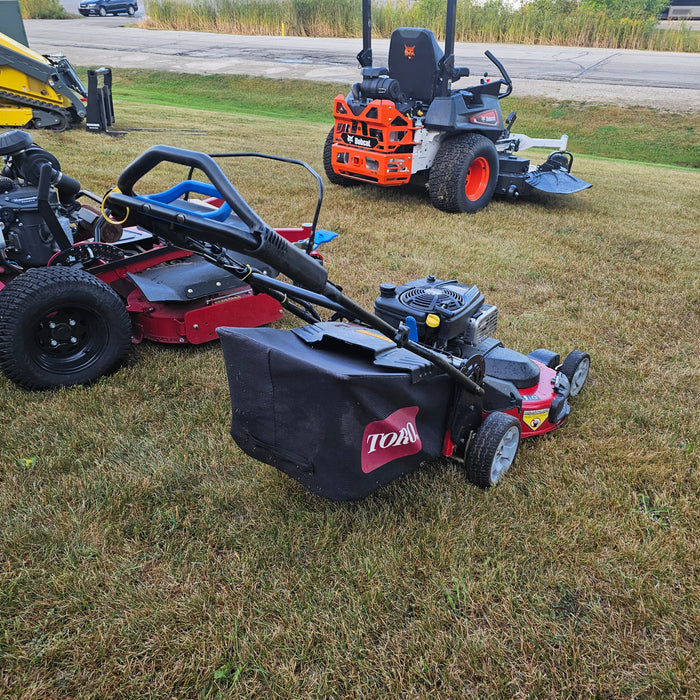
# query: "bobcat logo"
409, 51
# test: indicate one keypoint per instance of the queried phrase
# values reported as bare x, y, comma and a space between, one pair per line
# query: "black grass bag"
336, 406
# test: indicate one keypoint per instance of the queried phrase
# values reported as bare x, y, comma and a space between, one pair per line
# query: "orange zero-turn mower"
405, 124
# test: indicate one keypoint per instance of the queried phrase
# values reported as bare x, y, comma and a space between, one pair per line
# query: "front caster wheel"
61, 326
575, 367
493, 449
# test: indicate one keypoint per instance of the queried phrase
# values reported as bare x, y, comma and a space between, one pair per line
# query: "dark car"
108, 7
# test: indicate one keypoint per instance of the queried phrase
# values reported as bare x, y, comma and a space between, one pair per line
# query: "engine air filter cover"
453, 303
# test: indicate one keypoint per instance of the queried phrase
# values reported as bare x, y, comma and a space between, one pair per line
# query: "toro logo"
385, 440
409, 51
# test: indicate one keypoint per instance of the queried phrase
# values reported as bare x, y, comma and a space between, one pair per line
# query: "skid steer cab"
405, 124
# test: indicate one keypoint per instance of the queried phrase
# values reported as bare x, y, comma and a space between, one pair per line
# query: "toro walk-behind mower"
405, 123
76, 290
347, 404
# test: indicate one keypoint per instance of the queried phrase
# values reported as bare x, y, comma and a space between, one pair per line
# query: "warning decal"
535, 418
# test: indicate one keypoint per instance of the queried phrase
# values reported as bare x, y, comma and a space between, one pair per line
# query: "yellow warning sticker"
535, 418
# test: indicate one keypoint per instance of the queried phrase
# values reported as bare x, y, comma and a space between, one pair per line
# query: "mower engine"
37, 219
447, 315
454, 319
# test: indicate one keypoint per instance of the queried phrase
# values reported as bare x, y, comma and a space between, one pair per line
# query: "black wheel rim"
68, 339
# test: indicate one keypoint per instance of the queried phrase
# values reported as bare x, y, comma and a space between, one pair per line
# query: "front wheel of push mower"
61, 326
575, 367
464, 174
493, 449
332, 176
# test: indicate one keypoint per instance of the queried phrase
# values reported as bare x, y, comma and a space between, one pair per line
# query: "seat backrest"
414, 57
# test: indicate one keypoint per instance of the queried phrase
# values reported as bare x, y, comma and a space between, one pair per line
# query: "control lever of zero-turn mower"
506, 78
256, 238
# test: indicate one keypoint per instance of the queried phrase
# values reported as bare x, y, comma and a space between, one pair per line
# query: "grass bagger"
76, 289
405, 124
349, 403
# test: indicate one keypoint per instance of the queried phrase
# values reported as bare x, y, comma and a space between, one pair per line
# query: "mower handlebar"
260, 240
506, 78
155, 155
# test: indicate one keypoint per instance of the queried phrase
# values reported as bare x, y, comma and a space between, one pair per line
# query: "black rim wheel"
59, 327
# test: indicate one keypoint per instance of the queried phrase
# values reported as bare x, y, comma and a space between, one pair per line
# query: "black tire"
102, 11
332, 176
61, 326
464, 174
493, 449
130, 11
575, 367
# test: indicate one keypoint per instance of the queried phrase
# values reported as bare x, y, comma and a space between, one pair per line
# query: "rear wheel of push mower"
464, 174
332, 176
493, 449
575, 367
61, 326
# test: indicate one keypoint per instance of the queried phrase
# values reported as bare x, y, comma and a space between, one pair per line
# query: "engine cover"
443, 310
28, 240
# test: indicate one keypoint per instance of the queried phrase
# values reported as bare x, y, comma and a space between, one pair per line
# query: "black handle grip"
506, 78
158, 154
269, 246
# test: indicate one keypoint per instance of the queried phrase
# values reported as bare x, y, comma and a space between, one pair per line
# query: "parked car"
107, 7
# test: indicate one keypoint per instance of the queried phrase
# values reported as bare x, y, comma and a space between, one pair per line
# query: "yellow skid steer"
38, 91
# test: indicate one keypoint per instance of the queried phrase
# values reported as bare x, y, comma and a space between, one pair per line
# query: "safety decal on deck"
535, 418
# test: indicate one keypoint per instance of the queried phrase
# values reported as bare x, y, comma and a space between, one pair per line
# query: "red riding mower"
406, 124
77, 289
347, 404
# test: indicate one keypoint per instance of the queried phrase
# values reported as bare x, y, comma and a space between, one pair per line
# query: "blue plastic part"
412, 328
323, 236
170, 197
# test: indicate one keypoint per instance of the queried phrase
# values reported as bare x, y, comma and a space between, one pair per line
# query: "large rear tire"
493, 449
61, 326
332, 176
464, 174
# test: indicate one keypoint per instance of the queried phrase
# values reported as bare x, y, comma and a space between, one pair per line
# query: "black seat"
414, 60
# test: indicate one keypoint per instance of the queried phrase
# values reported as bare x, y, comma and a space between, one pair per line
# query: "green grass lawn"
144, 555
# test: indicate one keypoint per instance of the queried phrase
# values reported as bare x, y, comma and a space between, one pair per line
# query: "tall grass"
562, 23
42, 9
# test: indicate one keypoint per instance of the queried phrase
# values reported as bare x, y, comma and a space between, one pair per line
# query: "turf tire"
332, 176
493, 449
91, 328
464, 174
575, 367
